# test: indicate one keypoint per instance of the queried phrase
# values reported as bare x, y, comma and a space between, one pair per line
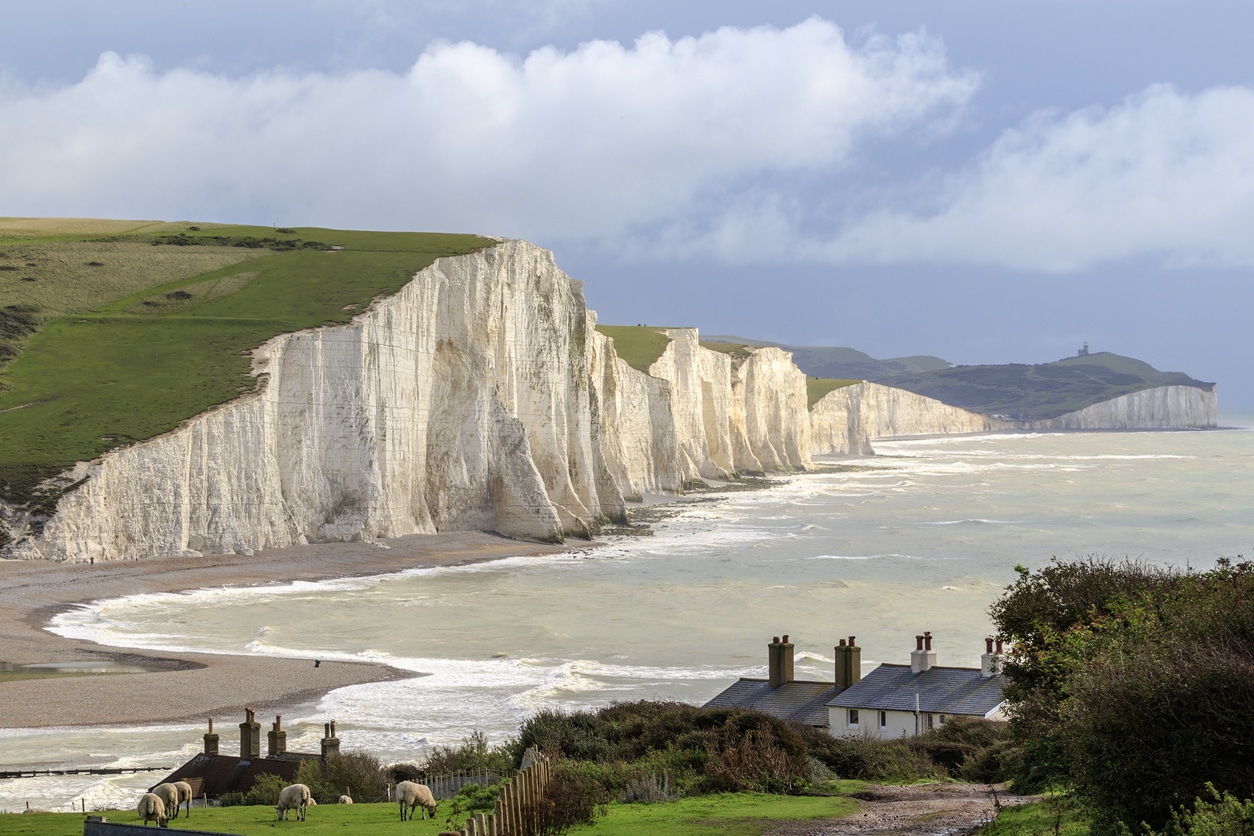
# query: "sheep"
152, 808
174, 794
295, 797
410, 795
169, 795
185, 795
346, 799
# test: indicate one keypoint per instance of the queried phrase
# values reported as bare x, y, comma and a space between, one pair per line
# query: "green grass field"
161, 329
746, 814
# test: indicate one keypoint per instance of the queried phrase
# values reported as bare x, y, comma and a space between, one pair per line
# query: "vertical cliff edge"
478, 397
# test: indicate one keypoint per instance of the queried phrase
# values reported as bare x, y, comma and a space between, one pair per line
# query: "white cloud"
1162, 174
554, 145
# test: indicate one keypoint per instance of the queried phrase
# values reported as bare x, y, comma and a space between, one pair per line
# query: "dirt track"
918, 810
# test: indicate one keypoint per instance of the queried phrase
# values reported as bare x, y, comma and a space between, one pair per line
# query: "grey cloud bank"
961, 180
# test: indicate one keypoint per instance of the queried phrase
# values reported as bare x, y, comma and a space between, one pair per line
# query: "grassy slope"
638, 345
817, 387
1042, 391
107, 372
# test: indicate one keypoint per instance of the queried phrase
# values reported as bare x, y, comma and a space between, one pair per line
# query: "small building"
211, 774
891, 701
897, 700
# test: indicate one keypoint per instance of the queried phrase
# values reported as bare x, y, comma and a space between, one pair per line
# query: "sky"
984, 181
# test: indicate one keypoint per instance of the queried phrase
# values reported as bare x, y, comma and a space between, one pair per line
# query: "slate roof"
940, 690
214, 775
805, 702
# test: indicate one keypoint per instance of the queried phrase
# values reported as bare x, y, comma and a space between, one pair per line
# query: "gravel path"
916, 810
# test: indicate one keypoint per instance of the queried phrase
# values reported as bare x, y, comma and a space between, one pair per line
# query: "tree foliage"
1132, 684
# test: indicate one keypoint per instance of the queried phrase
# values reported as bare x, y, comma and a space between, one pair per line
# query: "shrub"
472, 755
357, 774
571, 798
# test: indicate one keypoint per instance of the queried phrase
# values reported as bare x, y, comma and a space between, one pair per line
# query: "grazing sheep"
346, 799
152, 808
185, 795
296, 797
169, 795
410, 795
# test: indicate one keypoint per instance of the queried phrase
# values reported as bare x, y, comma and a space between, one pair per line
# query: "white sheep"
174, 794
296, 797
410, 795
152, 808
185, 795
169, 795
346, 799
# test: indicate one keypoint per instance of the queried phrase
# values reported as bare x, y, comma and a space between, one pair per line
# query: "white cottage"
905, 700
891, 701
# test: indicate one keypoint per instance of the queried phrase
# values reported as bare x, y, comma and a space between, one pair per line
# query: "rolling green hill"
1043, 391
845, 363
114, 332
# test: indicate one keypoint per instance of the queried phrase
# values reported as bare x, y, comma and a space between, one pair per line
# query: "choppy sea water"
922, 537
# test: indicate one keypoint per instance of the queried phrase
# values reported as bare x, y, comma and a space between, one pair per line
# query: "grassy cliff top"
817, 387
1042, 391
112, 332
638, 345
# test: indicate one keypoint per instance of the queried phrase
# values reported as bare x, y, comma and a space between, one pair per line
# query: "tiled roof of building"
940, 690
805, 702
214, 775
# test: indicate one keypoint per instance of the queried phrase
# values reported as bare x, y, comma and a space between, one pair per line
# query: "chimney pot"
775, 640
785, 638
999, 646
918, 642
988, 645
927, 640
842, 642
853, 642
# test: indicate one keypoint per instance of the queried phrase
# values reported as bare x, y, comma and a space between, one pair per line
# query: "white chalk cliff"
478, 397
1161, 408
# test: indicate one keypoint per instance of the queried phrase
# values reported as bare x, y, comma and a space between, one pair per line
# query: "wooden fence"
447, 786
517, 808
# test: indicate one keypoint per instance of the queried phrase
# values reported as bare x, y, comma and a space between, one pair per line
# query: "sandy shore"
189, 686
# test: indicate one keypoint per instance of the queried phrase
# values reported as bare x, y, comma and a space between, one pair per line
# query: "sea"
925, 535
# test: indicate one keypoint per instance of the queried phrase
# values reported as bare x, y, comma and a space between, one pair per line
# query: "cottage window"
883, 719
853, 716
942, 719
929, 720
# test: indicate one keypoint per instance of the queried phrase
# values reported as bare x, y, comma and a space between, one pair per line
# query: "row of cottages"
890, 701
211, 774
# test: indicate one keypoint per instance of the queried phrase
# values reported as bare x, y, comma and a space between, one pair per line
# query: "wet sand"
190, 686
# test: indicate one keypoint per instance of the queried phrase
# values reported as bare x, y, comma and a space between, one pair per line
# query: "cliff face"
462, 402
1165, 407
847, 420
482, 397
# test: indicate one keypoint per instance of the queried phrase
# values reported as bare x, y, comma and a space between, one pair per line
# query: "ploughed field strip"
115, 332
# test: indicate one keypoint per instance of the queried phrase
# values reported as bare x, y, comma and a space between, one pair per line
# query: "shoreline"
179, 686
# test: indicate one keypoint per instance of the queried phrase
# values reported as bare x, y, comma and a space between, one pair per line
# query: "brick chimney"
779, 661
990, 662
249, 736
330, 743
211, 740
848, 663
923, 657
276, 740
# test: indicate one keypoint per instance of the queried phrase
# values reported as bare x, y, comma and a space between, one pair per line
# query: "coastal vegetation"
116, 335
1132, 686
